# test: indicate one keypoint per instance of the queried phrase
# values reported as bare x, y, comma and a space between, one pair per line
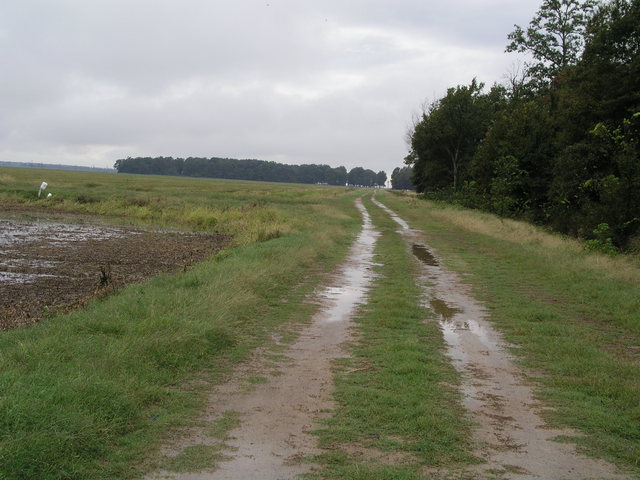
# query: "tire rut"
273, 439
510, 435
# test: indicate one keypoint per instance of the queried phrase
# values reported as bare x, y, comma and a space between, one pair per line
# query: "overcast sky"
86, 82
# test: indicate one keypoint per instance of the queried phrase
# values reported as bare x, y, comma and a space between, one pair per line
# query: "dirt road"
277, 414
510, 434
277, 403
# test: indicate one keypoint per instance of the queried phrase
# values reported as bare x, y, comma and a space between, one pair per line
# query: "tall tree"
401, 179
565, 150
446, 138
554, 37
596, 177
381, 178
514, 161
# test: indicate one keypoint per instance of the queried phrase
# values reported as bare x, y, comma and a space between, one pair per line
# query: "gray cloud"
336, 82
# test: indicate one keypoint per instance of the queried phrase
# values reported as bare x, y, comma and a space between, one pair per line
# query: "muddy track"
510, 434
51, 267
276, 416
277, 403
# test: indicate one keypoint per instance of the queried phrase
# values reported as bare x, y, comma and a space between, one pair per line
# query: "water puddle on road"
424, 255
354, 276
509, 435
442, 309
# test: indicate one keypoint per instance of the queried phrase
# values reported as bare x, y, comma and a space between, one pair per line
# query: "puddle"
22, 278
54, 234
39, 238
27, 263
354, 277
443, 310
424, 255
493, 386
12, 270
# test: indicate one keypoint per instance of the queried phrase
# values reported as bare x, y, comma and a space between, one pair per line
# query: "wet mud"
52, 267
421, 252
276, 417
510, 435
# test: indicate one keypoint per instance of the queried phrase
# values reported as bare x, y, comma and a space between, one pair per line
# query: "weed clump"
602, 240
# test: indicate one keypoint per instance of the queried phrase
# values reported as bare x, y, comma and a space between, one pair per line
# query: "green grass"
573, 316
251, 211
397, 398
91, 394
223, 425
196, 458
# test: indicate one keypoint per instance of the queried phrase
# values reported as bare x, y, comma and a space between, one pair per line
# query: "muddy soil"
49, 267
277, 416
510, 435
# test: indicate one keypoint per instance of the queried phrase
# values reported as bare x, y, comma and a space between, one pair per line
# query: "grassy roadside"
89, 394
573, 316
399, 411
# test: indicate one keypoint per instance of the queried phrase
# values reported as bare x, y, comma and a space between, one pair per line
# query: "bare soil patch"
49, 267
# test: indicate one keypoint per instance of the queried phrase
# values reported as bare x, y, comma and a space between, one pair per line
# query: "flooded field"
48, 267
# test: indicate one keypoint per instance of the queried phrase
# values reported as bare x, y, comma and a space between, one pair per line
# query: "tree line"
258, 170
559, 144
401, 179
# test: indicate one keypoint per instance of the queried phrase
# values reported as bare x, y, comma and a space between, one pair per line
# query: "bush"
602, 241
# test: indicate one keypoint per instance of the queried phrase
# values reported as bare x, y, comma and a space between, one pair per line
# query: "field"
54, 267
155, 375
84, 395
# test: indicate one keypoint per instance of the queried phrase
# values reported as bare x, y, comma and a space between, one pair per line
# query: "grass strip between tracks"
399, 410
89, 395
573, 317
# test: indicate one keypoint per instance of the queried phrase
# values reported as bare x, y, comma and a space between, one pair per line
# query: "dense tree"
593, 179
554, 37
446, 138
338, 176
148, 165
597, 181
239, 170
401, 179
360, 177
562, 148
512, 167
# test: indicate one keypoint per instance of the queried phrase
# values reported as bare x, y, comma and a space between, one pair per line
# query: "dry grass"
4, 178
247, 225
623, 267
505, 229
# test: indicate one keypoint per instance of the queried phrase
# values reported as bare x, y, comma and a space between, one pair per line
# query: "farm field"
49, 267
311, 294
